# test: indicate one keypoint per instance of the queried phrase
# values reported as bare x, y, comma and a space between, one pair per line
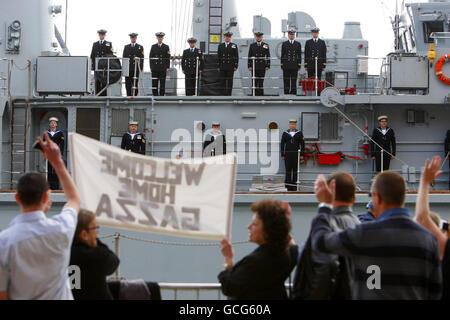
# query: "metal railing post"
107, 78
133, 90
196, 76
316, 78
298, 170
382, 160
253, 77
117, 243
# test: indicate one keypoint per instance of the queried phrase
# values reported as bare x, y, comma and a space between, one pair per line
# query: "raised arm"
51, 152
430, 173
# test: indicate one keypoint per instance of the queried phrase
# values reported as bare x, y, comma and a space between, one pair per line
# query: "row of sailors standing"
228, 62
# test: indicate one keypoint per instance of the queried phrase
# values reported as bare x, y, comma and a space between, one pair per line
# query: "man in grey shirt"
35, 250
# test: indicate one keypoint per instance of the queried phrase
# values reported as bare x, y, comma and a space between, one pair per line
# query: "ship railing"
213, 290
441, 39
246, 83
5, 71
196, 290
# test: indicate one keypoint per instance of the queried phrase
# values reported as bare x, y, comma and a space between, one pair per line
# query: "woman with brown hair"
95, 260
261, 274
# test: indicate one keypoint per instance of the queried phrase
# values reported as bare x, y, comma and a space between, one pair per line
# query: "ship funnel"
352, 30
262, 24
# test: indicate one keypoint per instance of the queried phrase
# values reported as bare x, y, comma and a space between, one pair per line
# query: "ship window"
310, 125
432, 26
416, 117
139, 116
420, 116
88, 122
273, 126
119, 122
329, 125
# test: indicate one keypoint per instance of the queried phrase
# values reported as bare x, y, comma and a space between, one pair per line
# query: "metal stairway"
215, 25
19, 116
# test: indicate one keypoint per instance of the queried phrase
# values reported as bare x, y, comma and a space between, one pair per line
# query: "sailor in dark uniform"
228, 59
159, 65
133, 140
215, 142
291, 142
132, 51
385, 137
315, 47
189, 66
291, 62
57, 137
101, 48
259, 57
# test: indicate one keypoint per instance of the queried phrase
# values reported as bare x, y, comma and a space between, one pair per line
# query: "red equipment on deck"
326, 158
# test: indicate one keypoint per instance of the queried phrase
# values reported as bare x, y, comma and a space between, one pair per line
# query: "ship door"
88, 122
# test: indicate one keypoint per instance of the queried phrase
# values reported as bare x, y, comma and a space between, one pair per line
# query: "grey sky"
149, 16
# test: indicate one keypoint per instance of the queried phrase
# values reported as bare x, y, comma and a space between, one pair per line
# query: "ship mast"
396, 28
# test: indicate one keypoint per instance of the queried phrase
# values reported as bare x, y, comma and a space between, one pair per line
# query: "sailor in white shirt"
35, 250
214, 142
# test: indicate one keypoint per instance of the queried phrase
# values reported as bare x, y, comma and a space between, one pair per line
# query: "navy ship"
336, 115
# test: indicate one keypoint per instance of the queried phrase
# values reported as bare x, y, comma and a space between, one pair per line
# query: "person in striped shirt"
393, 257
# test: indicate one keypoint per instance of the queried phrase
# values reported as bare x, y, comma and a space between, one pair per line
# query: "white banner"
190, 198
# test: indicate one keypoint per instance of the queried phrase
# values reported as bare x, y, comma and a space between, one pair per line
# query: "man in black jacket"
133, 140
189, 66
228, 59
325, 276
57, 137
447, 155
291, 62
315, 47
291, 142
101, 48
385, 137
159, 65
94, 259
259, 60
132, 51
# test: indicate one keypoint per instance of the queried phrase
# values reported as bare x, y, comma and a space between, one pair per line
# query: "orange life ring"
439, 64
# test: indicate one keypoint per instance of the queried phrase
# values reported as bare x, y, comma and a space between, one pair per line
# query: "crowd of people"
193, 62
385, 254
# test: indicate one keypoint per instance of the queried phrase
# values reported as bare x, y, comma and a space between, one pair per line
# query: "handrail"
176, 287
240, 75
